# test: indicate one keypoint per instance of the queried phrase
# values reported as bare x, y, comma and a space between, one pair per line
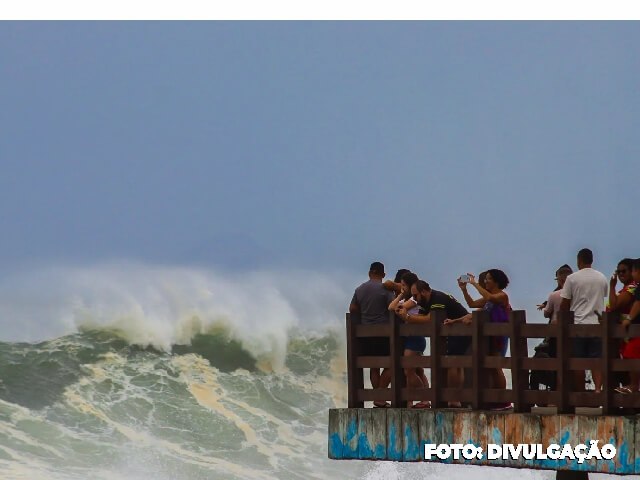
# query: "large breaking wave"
127, 371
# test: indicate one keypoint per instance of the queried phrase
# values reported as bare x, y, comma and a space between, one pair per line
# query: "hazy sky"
443, 146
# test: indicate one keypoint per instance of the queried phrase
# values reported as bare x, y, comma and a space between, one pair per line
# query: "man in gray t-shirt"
371, 301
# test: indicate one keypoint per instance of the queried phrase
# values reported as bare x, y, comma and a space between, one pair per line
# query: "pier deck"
400, 435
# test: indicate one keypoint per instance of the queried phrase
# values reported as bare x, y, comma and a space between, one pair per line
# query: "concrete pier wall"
400, 435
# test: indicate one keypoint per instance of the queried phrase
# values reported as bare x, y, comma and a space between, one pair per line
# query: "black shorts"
375, 347
587, 347
458, 345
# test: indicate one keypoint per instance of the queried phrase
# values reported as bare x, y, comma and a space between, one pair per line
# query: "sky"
444, 147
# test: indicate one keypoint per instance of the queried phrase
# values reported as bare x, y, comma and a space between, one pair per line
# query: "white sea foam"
163, 306
176, 416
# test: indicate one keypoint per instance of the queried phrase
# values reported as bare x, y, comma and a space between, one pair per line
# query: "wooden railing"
565, 397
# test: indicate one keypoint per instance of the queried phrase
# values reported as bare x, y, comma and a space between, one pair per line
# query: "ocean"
125, 371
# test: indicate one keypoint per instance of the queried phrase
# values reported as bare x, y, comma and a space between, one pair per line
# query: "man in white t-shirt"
583, 293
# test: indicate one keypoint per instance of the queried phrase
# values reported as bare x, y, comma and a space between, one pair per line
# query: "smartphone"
464, 279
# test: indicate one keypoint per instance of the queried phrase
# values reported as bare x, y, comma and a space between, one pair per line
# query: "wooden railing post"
477, 357
396, 351
607, 322
437, 348
355, 376
519, 350
565, 378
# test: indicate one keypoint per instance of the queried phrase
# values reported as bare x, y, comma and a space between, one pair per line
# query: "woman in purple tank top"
495, 301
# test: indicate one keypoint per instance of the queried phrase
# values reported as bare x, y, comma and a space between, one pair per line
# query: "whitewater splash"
157, 372
166, 306
171, 373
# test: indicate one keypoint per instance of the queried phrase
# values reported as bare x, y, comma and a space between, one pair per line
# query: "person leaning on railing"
632, 347
413, 345
429, 300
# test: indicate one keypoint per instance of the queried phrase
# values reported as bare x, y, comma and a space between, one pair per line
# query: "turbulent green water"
177, 373
90, 404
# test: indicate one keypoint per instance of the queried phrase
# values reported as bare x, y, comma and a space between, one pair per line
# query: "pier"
575, 416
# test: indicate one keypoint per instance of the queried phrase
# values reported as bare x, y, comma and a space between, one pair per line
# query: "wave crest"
163, 306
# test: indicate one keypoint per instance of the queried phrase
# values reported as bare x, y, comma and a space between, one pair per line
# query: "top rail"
563, 370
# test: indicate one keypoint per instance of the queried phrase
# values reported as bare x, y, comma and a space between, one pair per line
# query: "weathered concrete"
400, 435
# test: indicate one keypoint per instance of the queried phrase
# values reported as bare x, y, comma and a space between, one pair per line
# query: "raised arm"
467, 298
613, 298
618, 301
499, 297
395, 302
392, 286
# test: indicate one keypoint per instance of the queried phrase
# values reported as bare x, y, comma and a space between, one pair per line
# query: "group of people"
583, 292
413, 300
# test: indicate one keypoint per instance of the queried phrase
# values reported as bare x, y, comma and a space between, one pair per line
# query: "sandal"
423, 404
623, 390
381, 404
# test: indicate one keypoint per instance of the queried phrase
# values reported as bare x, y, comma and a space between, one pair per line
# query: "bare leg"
413, 379
499, 380
385, 378
423, 376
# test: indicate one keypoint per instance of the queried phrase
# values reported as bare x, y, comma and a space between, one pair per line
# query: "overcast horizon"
445, 147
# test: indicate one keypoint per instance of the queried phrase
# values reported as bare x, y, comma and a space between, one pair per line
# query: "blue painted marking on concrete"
352, 432
364, 449
335, 446
394, 453
564, 438
411, 448
497, 436
439, 420
584, 466
423, 442
626, 463
470, 441
551, 464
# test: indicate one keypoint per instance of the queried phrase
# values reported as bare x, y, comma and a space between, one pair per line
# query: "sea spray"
166, 306
141, 372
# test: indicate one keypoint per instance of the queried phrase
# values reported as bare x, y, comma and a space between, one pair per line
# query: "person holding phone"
495, 301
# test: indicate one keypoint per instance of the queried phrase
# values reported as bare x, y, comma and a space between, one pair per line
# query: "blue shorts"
415, 344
